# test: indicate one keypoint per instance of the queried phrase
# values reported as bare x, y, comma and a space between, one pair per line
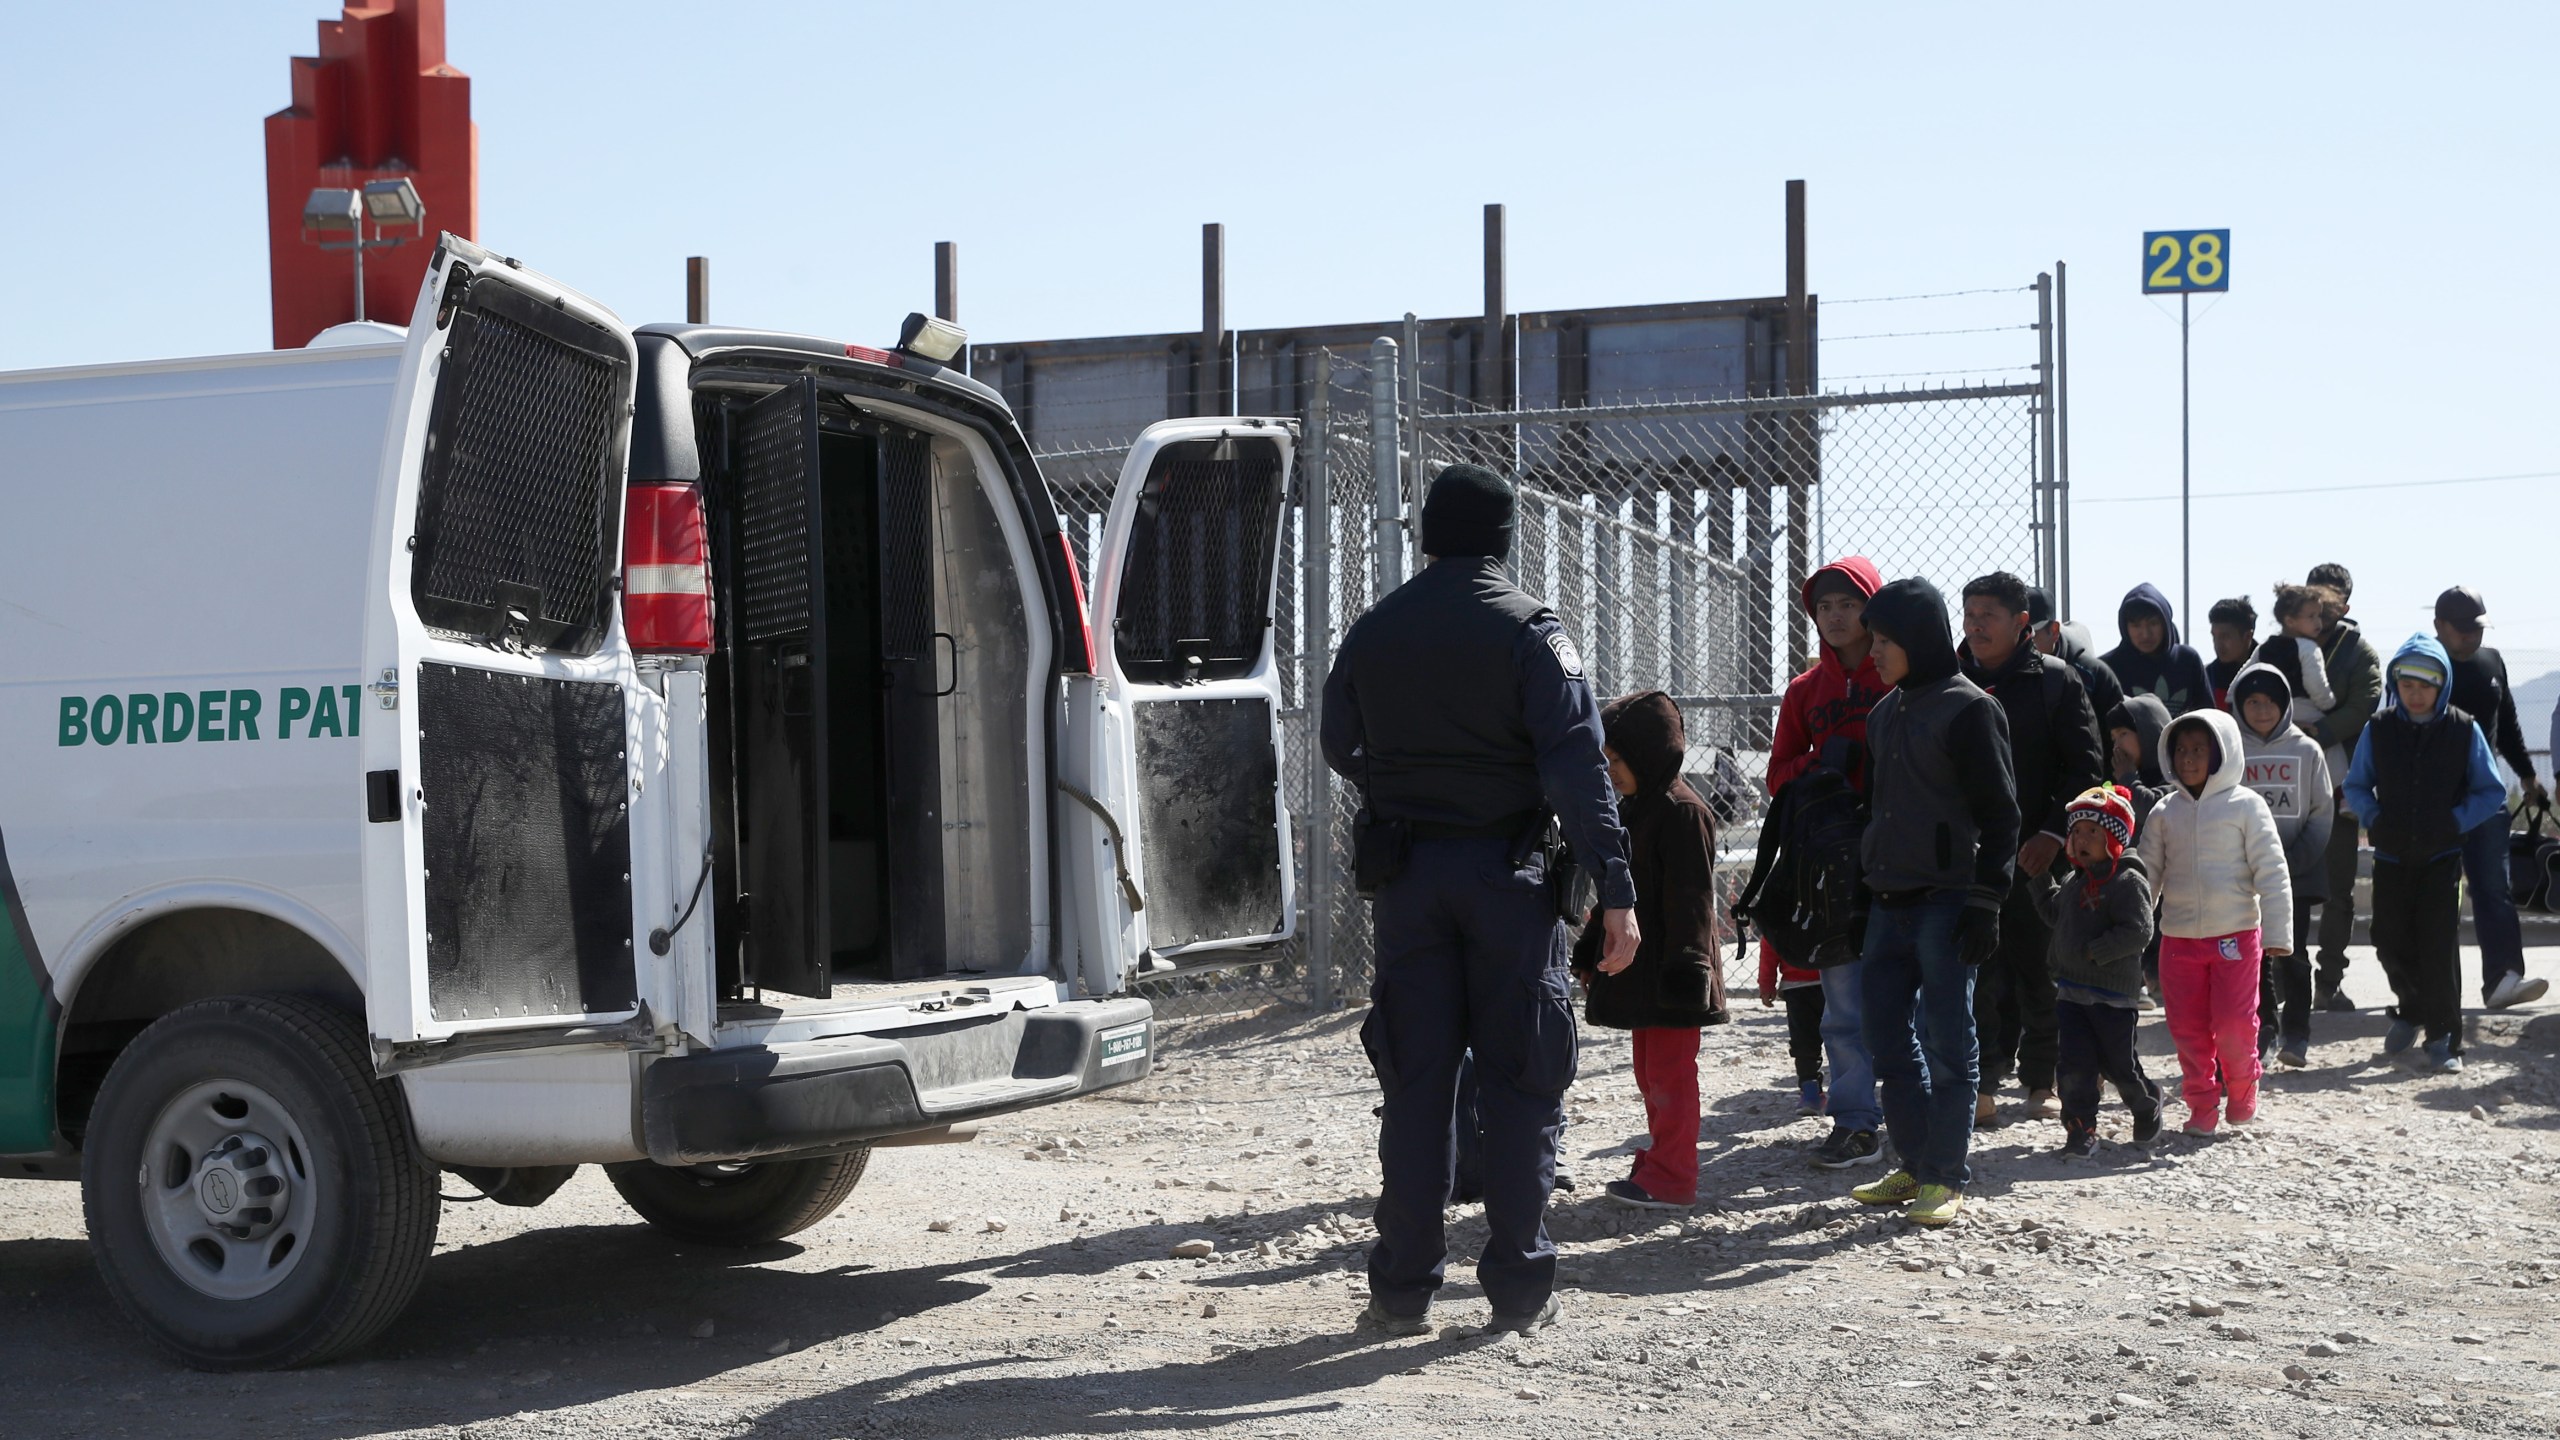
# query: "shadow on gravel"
1252, 1384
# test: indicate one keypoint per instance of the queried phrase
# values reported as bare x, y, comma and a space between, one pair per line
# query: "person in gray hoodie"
2289, 771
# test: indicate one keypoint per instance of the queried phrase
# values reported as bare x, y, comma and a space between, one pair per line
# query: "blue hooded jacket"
2483, 794
2174, 673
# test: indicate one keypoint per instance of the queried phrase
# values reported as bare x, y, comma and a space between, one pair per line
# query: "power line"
2315, 494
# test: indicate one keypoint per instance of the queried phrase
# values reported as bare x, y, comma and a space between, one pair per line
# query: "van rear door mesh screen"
522, 486
528, 845
1196, 597
777, 468
906, 545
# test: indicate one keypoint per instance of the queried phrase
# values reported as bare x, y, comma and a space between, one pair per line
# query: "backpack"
1806, 883
2530, 856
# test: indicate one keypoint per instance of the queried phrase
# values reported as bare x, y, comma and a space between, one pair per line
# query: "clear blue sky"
2387, 171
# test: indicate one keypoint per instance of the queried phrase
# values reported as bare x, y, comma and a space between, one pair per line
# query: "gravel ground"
2377, 1260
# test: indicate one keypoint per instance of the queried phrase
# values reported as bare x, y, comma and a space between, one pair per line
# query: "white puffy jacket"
2216, 858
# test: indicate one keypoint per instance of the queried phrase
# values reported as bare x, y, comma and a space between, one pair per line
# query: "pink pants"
1666, 1065
2210, 990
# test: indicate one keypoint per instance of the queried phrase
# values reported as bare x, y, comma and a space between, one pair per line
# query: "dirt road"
2379, 1259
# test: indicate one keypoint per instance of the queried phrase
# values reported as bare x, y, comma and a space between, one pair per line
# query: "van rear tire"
254, 1196
739, 1205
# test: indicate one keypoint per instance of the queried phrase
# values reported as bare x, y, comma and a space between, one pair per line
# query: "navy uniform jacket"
1459, 704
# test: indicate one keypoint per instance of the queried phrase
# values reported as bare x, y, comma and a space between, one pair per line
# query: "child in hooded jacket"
2100, 908
2226, 903
1674, 985
2423, 778
1822, 721
2150, 659
2288, 770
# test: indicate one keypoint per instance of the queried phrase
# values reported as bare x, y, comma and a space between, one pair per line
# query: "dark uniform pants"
2013, 998
1471, 957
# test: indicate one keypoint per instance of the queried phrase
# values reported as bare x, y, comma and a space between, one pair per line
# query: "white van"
537, 742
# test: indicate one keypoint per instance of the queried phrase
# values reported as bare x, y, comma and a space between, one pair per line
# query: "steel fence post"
1316, 593
2062, 437
1383, 448
2048, 511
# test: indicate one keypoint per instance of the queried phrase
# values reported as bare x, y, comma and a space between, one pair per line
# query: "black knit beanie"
1468, 512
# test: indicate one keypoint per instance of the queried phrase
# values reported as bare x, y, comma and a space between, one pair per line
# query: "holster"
1575, 891
1379, 850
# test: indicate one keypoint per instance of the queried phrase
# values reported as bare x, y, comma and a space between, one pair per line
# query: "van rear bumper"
775, 1101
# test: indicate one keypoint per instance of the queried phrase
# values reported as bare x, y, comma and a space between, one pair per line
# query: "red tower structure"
376, 103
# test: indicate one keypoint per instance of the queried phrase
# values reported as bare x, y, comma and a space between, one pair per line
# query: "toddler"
2100, 911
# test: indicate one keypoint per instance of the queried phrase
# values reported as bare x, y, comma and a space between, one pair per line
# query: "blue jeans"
2493, 902
1919, 999
1844, 1040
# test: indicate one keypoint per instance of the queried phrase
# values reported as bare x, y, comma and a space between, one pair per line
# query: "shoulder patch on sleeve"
1566, 655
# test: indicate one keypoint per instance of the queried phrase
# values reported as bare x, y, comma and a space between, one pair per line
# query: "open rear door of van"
1188, 682
495, 724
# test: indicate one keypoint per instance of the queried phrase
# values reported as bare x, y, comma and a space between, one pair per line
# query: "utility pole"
2186, 476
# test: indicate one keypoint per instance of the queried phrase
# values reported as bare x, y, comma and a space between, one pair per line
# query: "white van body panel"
105, 835
546, 1107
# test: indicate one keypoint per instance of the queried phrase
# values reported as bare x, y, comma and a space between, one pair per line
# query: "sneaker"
2294, 1057
2266, 1059
1636, 1197
2440, 1059
1848, 1147
2146, 1126
1894, 1189
2148, 999
2197, 1126
1986, 1111
2334, 998
2513, 989
1809, 1097
2076, 1141
1936, 1206
2399, 1038
1379, 1317
1544, 1316
2240, 1119
2044, 1105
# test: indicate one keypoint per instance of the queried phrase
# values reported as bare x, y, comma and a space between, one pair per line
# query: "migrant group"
1990, 849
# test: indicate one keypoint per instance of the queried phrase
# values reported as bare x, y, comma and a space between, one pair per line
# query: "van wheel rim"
228, 1192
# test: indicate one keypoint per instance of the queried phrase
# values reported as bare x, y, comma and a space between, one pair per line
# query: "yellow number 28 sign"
2177, 262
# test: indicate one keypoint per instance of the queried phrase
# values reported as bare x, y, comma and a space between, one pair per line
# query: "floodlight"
331, 209
393, 202
932, 338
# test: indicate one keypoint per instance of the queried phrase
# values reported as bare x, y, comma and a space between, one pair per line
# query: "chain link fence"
1671, 534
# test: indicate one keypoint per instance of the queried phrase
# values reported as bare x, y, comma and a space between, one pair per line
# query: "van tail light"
1084, 613
666, 571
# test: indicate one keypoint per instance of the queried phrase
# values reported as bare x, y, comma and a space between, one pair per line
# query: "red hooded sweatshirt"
1825, 709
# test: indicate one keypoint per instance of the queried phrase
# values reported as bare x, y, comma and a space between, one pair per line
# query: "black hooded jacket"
2105, 693
2174, 672
1671, 847
2054, 750
2147, 718
1942, 806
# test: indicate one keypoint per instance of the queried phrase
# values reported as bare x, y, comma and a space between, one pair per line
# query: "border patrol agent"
1460, 708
